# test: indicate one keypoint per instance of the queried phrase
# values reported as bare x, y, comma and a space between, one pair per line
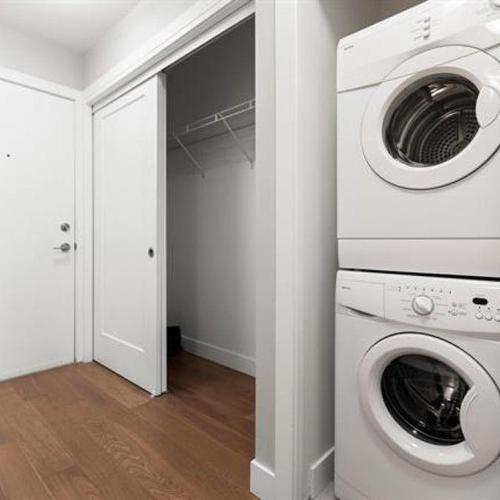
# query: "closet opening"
211, 243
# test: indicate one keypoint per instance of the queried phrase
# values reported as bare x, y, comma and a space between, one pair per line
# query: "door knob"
65, 247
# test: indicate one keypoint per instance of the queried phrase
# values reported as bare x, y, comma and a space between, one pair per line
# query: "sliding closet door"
130, 174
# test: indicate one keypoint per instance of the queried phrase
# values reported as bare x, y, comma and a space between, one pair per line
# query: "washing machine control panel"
444, 303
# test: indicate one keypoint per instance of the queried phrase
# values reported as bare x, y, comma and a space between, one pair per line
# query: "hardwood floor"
80, 431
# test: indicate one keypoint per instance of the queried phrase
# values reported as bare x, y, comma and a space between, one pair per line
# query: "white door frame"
201, 24
289, 267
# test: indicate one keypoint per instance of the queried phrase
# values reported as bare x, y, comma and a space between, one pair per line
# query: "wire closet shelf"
232, 119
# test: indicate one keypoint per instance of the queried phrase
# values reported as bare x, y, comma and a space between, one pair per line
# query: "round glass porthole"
434, 123
424, 396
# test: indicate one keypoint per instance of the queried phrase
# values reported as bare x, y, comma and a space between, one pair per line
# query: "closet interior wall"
211, 214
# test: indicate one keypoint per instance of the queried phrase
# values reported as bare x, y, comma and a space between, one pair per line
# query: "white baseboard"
321, 473
6, 375
224, 357
262, 481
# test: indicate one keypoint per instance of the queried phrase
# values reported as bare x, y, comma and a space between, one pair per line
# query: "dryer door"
432, 123
432, 403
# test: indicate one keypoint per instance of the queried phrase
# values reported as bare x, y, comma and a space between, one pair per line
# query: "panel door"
37, 161
129, 166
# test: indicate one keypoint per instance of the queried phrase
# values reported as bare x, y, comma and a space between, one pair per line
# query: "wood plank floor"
80, 431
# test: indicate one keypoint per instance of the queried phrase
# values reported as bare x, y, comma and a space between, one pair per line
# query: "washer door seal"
471, 448
443, 121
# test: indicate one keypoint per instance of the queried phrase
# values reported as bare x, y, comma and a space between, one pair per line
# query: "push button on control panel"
422, 30
461, 306
484, 309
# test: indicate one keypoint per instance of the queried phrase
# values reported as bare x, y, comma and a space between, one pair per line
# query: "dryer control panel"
368, 56
451, 304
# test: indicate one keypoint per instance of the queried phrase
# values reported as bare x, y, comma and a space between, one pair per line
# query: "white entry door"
130, 178
37, 161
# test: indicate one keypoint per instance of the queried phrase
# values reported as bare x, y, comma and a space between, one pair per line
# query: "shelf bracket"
237, 140
194, 161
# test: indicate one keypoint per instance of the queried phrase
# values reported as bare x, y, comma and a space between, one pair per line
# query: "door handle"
65, 247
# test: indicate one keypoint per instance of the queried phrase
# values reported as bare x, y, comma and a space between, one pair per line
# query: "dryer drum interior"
434, 123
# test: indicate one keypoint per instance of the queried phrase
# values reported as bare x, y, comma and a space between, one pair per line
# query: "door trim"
35, 83
84, 234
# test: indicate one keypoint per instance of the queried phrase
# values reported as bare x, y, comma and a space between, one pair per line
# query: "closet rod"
223, 115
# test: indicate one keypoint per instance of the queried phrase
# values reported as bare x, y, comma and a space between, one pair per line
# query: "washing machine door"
432, 123
432, 403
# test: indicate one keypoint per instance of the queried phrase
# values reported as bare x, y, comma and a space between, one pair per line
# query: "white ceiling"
75, 24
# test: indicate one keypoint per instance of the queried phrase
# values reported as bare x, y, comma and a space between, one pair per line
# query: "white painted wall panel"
321, 23
219, 76
41, 58
142, 23
391, 7
211, 235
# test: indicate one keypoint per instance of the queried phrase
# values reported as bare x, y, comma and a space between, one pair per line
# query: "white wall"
39, 57
142, 23
218, 76
211, 219
296, 49
211, 232
391, 7
321, 24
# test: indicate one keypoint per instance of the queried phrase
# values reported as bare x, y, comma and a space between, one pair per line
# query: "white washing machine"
417, 397
418, 141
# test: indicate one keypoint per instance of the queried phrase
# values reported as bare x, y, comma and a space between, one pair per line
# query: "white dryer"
417, 399
418, 141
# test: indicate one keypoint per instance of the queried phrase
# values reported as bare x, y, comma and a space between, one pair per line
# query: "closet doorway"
211, 219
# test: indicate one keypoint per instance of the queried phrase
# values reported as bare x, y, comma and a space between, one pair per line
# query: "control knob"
423, 305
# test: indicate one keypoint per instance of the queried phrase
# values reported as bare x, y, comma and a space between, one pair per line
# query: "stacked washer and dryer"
418, 293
